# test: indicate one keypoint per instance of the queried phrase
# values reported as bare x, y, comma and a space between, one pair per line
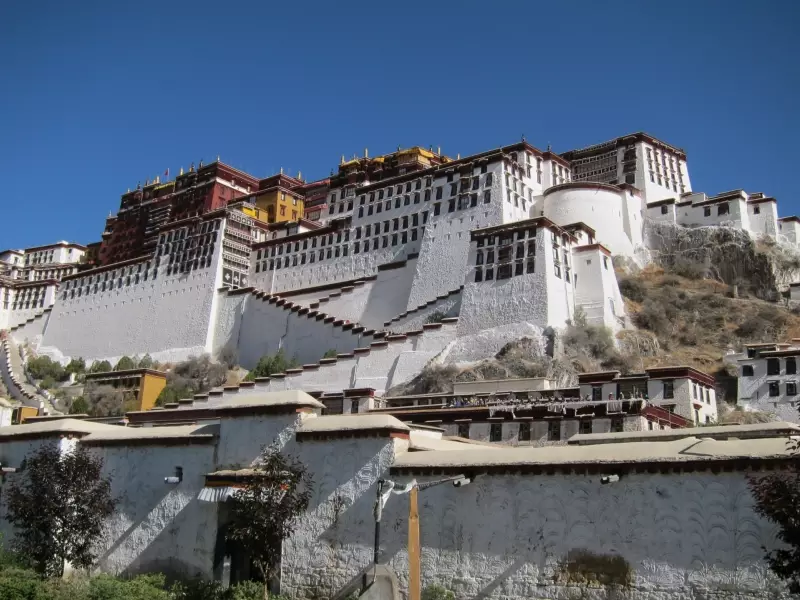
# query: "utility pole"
414, 549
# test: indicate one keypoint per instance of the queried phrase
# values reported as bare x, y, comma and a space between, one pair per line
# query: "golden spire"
181, 170
342, 161
366, 152
300, 175
281, 170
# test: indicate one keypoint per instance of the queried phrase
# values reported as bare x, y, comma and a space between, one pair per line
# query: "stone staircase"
448, 304
12, 367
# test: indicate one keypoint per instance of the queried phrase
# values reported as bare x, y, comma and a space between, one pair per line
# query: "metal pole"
378, 511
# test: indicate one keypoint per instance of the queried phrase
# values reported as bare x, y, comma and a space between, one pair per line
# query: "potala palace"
394, 263
504, 243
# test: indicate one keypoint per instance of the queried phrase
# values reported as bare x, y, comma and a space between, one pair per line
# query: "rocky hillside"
679, 320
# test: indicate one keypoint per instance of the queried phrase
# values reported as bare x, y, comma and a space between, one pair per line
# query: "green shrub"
435, 317
43, 367
22, 584
437, 592
76, 366
330, 353
79, 406
142, 587
271, 363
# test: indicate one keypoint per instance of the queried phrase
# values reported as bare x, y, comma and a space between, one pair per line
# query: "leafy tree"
125, 363
76, 366
43, 367
777, 498
58, 504
196, 375
100, 366
146, 362
266, 511
79, 406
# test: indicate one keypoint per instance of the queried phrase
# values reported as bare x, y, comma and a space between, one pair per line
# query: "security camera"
462, 482
605, 479
177, 478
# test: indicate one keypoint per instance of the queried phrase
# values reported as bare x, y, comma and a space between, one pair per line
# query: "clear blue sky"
95, 96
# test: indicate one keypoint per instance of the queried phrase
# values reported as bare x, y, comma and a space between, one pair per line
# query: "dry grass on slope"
696, 320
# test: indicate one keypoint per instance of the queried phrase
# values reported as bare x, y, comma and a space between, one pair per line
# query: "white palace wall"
616, 216
159, 527
169, 317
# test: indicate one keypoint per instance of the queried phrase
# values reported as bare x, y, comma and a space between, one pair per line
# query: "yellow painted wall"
273, 200
257, 213
23, 412
149, 390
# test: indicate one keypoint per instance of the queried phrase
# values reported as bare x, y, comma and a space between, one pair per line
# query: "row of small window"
665, 182
183, 233
108, 275
507, 237
54, 274
417, 185
29, 304
324, 240
387, 206
773, 367
311, 257
553, 429
462, 202
206, 247
508, 270
38, 258
775, 388
395, 224
504, 253
102, 286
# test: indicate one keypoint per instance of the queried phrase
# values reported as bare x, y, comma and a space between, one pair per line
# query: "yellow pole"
413, 546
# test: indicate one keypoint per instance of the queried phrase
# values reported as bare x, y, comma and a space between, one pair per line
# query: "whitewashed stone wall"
754, 389
169, 317
616, 216
442, 263
266, 328
690, 214
596, 288
684, 536
31, 331
332, 545
157, 526
449, 307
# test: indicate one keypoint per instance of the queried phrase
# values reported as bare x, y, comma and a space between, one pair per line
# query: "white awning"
216, 494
